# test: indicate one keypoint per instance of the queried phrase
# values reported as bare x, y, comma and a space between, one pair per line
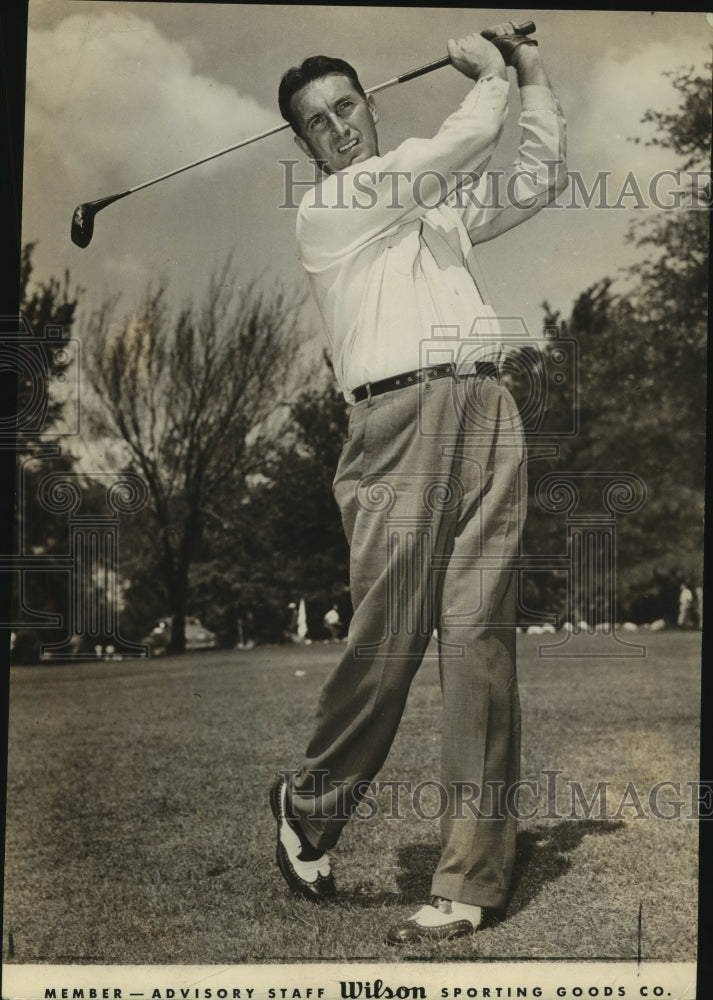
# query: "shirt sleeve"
498, 202
349, 209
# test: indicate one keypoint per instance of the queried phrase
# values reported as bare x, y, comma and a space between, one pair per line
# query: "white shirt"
387, 255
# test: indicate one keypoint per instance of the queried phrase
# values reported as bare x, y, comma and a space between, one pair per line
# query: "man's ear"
301, 144
373, 109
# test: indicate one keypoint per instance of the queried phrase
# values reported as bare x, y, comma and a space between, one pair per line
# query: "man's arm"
352, 207
497, 204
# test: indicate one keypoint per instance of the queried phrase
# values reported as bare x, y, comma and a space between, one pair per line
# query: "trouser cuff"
321, 840
322, 836
467, 891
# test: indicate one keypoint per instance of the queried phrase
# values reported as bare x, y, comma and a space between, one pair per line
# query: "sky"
118, 93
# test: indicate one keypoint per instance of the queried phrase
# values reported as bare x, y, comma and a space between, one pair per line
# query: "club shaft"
411, 75
211, 156
523, 29
428, 68
526, 28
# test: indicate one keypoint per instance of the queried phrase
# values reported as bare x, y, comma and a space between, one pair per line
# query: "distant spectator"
291, 630
686, 612
333, 623
245, 626
699, 605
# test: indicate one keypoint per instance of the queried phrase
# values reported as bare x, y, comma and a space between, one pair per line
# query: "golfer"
431, 479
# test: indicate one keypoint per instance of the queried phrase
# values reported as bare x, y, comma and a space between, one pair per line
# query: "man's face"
337, 125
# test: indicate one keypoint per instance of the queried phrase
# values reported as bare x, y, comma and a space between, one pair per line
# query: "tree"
309, 537
48, 305
285, 540
32, 359
193, 400
670, 291
642, 391
310, 534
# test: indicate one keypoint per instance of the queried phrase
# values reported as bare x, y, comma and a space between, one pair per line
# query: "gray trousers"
431, 484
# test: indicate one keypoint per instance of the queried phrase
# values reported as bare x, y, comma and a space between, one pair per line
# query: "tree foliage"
192, 399
642, 380
306, 528
686, 130
285, 541
241, 518
45, 306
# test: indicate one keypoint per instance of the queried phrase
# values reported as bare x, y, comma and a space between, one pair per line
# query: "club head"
83, 218
83, 225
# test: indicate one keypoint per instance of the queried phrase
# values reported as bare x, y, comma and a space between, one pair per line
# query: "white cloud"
112, 102
110, 99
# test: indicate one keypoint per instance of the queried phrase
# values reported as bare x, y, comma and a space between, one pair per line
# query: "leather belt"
480, 368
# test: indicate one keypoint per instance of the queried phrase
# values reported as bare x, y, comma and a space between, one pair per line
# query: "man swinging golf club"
431, 478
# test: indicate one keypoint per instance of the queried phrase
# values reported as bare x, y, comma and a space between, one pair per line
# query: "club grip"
525, 28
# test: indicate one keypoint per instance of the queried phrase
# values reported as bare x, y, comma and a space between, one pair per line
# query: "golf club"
84, 214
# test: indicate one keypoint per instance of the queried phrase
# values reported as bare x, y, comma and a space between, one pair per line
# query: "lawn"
138, 826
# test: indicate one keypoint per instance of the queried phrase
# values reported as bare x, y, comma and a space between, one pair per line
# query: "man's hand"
474, 57
506, 39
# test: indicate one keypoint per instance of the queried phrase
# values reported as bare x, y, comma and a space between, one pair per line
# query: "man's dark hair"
311, 69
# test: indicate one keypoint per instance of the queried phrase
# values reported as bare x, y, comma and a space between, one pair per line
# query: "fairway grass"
139, 831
